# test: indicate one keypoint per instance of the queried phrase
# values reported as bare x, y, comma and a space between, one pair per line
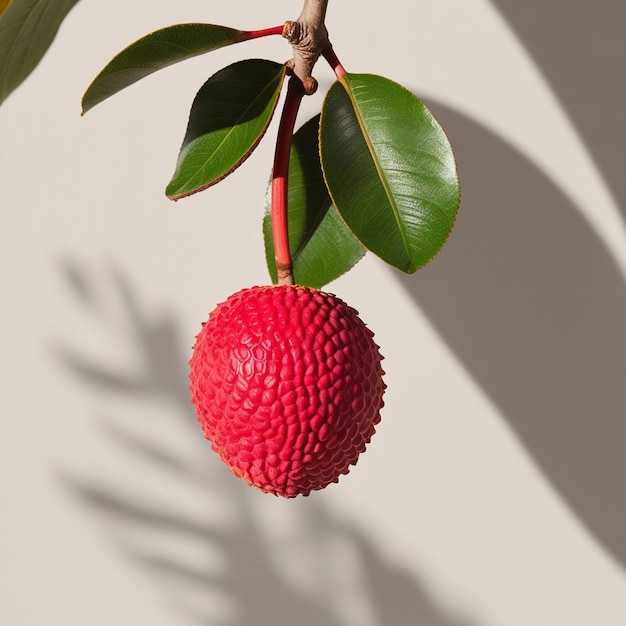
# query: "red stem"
329, 54
247, 35
280, 222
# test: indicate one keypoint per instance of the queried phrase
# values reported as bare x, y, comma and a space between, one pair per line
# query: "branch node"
308, 38
310, 85
291, 31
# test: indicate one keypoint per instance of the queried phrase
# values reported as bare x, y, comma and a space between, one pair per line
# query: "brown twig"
308, 38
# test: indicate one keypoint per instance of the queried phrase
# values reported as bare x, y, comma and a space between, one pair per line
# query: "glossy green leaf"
156, 51
27, 28
322, 247
228, 117
389, 168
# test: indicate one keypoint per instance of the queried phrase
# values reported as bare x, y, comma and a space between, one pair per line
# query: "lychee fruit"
287, 385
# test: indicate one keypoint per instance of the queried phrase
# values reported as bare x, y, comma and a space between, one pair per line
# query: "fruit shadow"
533, 305
252, 580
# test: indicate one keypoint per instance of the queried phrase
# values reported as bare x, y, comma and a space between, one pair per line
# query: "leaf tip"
85, 105
175, 193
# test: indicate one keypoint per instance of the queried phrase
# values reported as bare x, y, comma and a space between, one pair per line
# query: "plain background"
492, 493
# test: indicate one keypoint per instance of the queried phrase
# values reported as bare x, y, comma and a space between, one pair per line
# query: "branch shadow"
532, 304
253, 579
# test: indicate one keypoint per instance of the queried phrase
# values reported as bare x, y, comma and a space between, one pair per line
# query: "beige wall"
492, 494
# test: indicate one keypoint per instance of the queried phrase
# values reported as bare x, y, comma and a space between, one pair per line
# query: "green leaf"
228, 118
156, 51
389, 168
27, 28
322, 247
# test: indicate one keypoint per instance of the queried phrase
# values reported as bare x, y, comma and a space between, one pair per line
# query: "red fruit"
287, 384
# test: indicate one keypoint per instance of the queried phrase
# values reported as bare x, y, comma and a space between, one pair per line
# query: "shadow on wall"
580, 48
351, 582
531, 302
524, 292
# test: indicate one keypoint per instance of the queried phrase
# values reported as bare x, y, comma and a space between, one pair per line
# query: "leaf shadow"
582, 65
253, 579
531, 302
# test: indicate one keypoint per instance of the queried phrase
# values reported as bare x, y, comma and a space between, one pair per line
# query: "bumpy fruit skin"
287, 385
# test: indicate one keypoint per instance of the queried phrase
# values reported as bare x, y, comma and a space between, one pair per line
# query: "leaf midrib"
232, 129
377, 165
